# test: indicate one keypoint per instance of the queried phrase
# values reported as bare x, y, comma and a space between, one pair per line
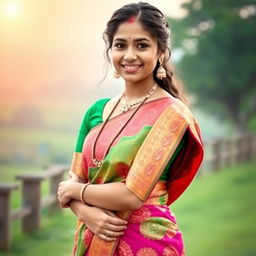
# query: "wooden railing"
32, 201
226, 152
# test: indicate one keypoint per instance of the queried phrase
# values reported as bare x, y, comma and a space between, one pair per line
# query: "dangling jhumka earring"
116, 75
161, 73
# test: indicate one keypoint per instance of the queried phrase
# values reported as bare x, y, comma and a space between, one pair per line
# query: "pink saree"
138, 157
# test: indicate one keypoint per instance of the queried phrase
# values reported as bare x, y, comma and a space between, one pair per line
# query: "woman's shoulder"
183, 109
97, 106
99, 103
175, 103
186, 113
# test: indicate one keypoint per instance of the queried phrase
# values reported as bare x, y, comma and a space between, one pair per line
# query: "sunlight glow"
11, 9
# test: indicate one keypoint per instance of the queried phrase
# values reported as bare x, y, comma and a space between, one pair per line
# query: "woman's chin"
132, 78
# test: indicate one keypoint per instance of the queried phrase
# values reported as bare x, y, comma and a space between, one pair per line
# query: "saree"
138, 157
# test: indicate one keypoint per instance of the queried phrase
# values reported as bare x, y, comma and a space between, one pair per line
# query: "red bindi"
131, 19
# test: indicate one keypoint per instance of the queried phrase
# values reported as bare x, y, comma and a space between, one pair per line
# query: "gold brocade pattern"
147, 251
124, 249
170, 251
156, 228
140, 215
76, 165
155, 152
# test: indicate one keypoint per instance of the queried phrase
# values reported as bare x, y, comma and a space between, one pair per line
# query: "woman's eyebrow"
120, 39
141, 39
135, 40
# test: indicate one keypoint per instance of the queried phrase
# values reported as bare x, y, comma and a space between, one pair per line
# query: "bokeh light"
11, 9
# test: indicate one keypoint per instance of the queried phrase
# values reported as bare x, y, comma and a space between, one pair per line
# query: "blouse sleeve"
83, 131
76, 171
92, 117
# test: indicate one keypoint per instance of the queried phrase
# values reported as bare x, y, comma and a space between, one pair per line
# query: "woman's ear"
161, 55
161, 58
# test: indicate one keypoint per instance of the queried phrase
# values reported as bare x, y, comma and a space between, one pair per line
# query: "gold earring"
116, 75
161, 73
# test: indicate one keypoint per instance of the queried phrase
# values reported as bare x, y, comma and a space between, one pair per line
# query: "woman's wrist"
74, 191
77, 208
82, 192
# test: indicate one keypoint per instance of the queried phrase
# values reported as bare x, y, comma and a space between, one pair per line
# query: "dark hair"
156, 24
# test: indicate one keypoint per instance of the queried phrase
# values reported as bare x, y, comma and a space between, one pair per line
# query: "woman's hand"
103, 223
67, 191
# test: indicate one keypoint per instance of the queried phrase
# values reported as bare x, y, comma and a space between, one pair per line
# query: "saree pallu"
138, 157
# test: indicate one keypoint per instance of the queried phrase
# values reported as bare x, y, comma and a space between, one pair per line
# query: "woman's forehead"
132, 31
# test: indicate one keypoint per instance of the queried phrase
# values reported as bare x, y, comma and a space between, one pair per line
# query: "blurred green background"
50, 65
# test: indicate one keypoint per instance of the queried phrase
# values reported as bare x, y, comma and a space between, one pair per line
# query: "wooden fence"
226, 152
219, 153
32, 202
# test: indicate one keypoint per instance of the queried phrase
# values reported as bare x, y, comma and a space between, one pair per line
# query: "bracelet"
82, 192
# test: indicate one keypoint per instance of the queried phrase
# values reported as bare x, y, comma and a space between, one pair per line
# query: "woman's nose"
130, 54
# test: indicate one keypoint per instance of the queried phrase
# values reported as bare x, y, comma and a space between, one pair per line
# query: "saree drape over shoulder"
156, 156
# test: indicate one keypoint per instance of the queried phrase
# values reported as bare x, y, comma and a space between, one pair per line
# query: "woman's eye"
119, 45
142, 46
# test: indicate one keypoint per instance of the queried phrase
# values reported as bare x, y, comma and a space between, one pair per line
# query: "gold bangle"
82, 192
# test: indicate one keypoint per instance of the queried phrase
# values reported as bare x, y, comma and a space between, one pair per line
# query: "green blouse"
93, 117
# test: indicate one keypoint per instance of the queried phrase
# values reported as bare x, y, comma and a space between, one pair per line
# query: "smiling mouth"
131, 68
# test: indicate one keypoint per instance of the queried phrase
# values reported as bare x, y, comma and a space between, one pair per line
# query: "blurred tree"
216, 42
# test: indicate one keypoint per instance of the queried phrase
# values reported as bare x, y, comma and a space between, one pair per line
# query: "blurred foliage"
216, 42
25, 146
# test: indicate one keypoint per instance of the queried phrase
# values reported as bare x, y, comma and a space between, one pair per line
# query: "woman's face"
134, 52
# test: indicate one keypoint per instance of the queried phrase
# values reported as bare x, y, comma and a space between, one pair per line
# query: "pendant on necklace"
97, 162
124, 106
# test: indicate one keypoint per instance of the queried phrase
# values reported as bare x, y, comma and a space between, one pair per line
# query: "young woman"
136, 153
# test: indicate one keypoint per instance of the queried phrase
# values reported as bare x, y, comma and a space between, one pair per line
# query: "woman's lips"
131, 68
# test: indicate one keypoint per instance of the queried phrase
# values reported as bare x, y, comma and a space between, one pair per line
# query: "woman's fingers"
115, 228
114, 219
117, 221
63, 201
110, 233
106, 238
110, 213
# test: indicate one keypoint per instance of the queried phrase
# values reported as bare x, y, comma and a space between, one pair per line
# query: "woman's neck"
139, 89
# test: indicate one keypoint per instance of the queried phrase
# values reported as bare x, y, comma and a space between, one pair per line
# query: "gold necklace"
98, 162
125, 106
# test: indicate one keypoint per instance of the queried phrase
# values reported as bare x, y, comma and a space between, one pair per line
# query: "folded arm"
112, 196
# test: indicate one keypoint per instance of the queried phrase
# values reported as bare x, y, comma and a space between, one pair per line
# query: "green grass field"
217, 215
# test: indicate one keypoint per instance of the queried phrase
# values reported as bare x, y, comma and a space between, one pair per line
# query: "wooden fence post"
250, 142
54, 183
239, 149
253, 145
244, 145
31, 196
5, 215
229, 159
217, 158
